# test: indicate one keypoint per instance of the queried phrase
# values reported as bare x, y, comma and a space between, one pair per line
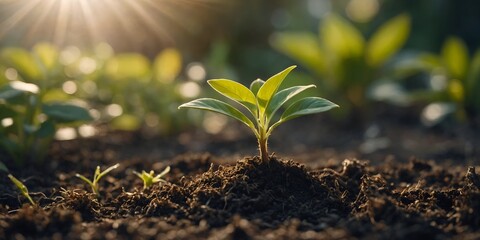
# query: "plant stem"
262, 144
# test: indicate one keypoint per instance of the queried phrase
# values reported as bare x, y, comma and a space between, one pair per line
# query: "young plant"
23, 189
261, 101
149, 178
96, 177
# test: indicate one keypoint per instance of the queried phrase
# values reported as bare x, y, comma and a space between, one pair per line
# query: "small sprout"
149, 179
96, 177
261, 102
23, 189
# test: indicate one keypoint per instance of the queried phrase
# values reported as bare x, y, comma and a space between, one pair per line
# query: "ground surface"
410, 183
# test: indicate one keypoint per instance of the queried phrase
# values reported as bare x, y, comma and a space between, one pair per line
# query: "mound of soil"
249, 199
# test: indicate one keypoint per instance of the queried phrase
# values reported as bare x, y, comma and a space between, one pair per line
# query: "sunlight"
88, 22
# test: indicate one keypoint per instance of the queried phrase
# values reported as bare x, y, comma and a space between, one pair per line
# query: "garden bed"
224, 195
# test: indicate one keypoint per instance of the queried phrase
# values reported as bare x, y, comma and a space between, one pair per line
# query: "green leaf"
99, 175
256, 85
270, 87
23, 189
47, 129
214, 105
8, 92
23, 62
128, 66
341, 37
302, 47
65, 113
305, 106
388, 40
236, 92
47, 53
126, 122
282, 97
167, 65
455, 57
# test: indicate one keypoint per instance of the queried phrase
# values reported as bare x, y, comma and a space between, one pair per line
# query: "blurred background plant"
346, 63
450, 87
32, 107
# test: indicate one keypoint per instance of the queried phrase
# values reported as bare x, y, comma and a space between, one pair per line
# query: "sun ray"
46, 9
16, 18
154, 26
61, 27
88, 17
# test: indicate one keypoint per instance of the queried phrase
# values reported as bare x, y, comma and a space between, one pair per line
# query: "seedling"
261, 101
96, 177
149, 178
23, 189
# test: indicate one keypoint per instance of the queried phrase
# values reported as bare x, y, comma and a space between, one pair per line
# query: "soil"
412, 183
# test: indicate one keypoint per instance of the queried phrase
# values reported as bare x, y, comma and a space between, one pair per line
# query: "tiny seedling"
262, 101
23, 189
96, 177
149, 178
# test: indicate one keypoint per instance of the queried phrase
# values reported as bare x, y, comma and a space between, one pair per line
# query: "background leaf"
302, 47
47, 54
388, 40
340, 37
167, 65
65, 113
455, 57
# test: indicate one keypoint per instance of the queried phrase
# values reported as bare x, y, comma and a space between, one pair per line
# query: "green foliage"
23, 189
96, 177
343, 57
149, 178
261, 101
30, 115
455, 80
153, 89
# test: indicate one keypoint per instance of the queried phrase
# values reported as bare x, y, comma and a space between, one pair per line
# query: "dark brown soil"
210, 197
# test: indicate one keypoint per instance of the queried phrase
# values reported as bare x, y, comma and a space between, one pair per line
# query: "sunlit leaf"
455, 57
388, 40
128, 66
236, 92
341, 37
55, 95
303, 47
23, 62
47, 54
219, 107
282, 97
270, 87
305, 106
167, 65
62, 112
126, 122
256, 85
